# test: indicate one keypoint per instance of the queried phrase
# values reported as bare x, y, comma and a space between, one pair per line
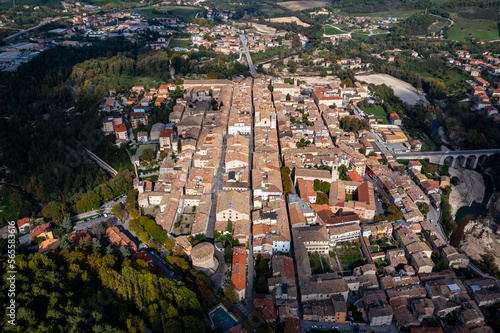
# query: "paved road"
434, 215
346, 327
243, 39
87, 225
106, 209
219, 276
216, 186
44, 21
250, 259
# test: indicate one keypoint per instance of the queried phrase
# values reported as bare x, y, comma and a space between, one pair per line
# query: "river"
465, 214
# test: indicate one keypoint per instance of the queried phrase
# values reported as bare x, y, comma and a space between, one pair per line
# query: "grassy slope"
377, 111
465, 29
176, 11
332, 31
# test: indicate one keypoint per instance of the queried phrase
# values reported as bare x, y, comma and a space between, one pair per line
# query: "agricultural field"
185, 43
464, 29
183, 12
385, 15
268, 9
266, 54
452, 77
289, 20
111, 3
332, 31
301, 5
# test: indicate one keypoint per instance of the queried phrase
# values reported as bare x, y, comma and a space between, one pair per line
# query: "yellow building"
394, 136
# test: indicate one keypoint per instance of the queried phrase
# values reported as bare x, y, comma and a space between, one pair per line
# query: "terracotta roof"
239, 268
166, 133
354, 176
142, 255
22, 222
46, 227
80, 237
120, 128
119, 239
48, 245
394, 116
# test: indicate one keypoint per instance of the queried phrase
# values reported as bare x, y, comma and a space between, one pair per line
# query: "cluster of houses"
35, 230
224, 39
139, 101
225, 146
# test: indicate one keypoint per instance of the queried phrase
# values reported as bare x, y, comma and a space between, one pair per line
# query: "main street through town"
345, 327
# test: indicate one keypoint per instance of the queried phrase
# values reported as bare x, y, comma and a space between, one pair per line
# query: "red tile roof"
354, 176
319, 93
292, 325
166, 133
46, 227
142, 255
120, 128
80, 237
22, 222
239, 268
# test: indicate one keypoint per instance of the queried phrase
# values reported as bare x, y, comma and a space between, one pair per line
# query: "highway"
249, 58
44, 21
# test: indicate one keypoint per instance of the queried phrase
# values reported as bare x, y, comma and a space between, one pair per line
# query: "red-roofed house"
306, 190
80, 237
121, 132
49, 245
394, 119
326, 97
159, 101
143, 255
266, 304
44, 231
166, 137
481, 82
119, 239
239, 271
292, 325
23, 225
354, 176
415, 165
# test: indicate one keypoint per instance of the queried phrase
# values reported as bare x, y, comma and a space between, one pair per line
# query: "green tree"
98, 230
362, 151
148, 155
118, 211
230, 293
292, 65
67, 225
124, 252
317, 185
424, 208
343, 172
321, 198
230, 226
96, 245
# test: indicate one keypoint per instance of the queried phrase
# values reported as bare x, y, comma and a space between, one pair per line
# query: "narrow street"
250, 258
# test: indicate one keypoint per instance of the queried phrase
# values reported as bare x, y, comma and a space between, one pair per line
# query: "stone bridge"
456, 158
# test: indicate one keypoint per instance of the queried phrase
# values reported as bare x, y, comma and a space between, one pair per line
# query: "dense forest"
76, 292
43, 137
